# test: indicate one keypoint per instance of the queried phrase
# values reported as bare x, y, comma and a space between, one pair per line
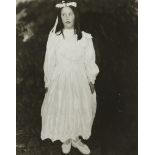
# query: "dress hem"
64, 139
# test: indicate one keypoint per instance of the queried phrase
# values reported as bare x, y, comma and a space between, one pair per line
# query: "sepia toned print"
77, 77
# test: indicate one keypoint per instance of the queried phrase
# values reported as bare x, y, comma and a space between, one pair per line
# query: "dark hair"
77, 29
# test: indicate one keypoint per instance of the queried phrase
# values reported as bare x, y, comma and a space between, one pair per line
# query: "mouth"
68, 22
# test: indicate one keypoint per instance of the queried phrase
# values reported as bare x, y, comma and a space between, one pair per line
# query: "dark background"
113, 24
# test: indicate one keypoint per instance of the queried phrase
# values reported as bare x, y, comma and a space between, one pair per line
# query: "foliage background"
113, 24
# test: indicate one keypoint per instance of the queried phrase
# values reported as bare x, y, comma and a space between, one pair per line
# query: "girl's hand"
46, 89
92, 87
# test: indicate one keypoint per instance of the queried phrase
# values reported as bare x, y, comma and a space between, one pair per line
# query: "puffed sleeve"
50, 59
92, 69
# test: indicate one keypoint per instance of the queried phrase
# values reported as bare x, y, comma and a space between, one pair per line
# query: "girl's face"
68, 17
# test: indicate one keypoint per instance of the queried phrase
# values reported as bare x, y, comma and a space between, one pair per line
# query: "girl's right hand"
46, 89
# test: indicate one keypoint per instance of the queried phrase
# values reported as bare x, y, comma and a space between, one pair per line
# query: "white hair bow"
63, 4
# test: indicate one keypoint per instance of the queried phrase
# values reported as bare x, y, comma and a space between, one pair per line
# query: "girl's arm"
92, 69
50, 60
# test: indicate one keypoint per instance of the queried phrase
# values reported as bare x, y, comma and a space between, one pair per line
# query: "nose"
67, 17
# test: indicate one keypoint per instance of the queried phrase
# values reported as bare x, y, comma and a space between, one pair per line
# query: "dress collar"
68, 32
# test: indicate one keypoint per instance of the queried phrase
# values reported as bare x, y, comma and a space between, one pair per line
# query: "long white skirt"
69, 107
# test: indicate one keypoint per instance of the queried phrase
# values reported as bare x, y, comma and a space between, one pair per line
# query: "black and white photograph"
77, 77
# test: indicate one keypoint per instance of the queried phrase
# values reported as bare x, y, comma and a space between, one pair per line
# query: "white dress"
69, 107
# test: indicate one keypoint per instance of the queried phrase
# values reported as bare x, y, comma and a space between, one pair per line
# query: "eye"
63, 14
70, 14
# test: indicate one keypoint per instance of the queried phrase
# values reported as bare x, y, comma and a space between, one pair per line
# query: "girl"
70, 71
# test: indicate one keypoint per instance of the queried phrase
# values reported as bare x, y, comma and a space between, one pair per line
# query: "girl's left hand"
92, 87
